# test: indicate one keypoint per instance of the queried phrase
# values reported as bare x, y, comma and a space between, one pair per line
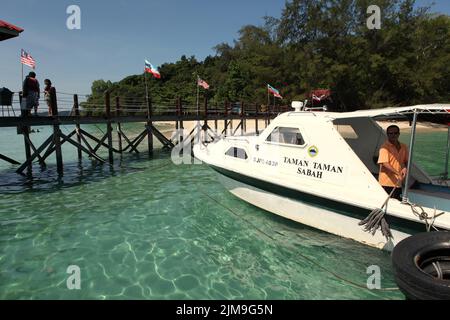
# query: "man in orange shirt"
393, 161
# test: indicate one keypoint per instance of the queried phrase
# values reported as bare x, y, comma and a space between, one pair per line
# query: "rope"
376, 219
423, 215
237, 215
301, 255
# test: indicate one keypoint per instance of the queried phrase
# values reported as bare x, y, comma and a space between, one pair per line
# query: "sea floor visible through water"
146, 228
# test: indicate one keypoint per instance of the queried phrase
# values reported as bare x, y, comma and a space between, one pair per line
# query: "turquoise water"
149, 229
429, 151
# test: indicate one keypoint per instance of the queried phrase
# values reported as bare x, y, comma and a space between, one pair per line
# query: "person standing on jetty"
49, 91
393, 161
31, 94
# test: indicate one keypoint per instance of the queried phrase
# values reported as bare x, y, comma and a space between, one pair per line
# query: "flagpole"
21, 65
198, 91
146, 86
275, 109
198, 106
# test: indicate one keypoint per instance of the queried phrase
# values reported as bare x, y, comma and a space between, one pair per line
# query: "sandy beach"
189, 125
421, 126
404, 126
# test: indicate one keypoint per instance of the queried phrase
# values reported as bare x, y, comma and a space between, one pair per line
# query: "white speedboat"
320, 169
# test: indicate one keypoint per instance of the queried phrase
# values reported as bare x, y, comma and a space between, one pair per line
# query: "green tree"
313, 44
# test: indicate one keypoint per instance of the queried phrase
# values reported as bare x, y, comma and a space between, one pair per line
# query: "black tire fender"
411, 260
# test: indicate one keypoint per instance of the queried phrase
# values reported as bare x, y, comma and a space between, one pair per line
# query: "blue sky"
116, 36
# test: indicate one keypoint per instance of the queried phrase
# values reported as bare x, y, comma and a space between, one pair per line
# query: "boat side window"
286, 135
237, 153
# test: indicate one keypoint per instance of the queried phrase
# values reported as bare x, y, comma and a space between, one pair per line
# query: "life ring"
422, 266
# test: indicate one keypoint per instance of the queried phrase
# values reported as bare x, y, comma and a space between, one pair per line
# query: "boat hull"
321, 218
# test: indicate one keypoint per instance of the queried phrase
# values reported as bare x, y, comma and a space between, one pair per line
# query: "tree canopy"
314, 44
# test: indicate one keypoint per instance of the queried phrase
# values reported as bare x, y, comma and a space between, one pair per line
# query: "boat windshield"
286, 135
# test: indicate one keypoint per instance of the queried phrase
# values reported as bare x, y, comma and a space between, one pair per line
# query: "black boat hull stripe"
346, 209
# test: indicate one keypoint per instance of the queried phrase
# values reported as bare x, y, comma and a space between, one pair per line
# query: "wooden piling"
225, 121
56, 132
216, 116
76, 108
231, 120
56, 139
205, 118
25, 131
180, 117
256, 119
119, 126
205, 121
180, 106
26, 138
149, 126
177, 112
242, 119
109, 127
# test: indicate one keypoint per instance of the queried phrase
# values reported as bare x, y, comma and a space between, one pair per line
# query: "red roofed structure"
8, 30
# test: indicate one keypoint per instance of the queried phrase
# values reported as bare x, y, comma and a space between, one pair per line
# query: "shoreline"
169, 127
421, 126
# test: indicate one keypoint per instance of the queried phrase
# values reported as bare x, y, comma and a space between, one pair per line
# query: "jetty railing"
117, 112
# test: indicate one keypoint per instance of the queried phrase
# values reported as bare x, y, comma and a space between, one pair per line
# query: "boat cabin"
348, 145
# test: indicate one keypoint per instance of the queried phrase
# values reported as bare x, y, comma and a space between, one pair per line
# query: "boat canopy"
436, 113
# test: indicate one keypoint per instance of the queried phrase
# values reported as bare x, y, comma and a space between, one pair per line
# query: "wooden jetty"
87, 143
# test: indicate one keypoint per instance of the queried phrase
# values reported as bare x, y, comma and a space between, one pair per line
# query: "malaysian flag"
274, 91
26, 59
149, 68
202, 83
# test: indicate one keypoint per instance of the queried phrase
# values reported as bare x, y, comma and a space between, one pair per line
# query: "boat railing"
237, 139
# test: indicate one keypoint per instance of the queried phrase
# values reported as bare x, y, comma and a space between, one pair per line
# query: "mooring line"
238, 215
301, 255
